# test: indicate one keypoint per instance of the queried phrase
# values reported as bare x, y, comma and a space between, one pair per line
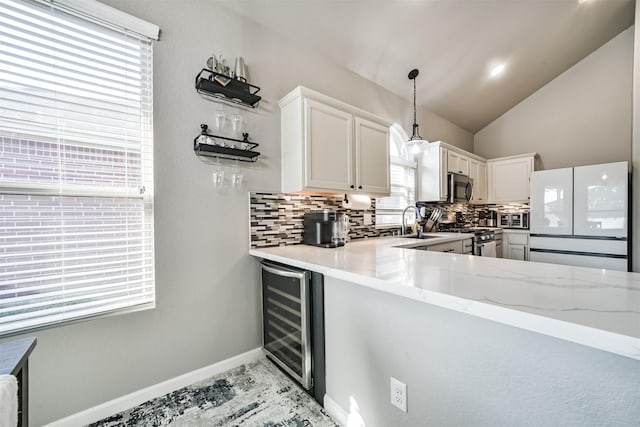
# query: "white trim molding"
101, 11
337, 412
123, 403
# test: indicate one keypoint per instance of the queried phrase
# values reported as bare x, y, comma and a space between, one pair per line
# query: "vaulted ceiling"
454, 43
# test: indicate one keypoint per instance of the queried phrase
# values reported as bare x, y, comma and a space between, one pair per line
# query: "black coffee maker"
327, 229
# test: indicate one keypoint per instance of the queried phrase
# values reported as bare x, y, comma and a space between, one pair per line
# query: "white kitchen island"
565, 349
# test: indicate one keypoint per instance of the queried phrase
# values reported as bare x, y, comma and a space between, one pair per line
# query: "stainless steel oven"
293, 323
482, 240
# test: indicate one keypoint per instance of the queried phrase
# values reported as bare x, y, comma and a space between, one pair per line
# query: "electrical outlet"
399, 394
368, 220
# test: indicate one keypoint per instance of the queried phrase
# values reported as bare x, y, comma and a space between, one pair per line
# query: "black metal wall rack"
223, 147
219, 87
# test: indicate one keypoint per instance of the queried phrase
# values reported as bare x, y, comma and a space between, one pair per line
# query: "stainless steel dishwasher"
293, 324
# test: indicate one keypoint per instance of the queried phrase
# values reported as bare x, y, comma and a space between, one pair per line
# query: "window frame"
137, 298
404, 158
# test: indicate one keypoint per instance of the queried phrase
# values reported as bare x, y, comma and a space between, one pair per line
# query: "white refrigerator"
579, 216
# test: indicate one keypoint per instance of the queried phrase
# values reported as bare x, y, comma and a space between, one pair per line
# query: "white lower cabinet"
515, 244
467, 246
456, 247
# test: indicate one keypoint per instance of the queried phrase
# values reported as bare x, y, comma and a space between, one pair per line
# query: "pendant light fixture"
416, 140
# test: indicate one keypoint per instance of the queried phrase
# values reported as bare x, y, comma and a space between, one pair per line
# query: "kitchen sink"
424, 236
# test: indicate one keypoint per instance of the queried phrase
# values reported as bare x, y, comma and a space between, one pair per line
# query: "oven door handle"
480, 245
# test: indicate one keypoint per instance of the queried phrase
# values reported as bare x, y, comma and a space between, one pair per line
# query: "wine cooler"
293, 324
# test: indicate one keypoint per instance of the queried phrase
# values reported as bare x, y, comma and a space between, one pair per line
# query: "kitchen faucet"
404, 224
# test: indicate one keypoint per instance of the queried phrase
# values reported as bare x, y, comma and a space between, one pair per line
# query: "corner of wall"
635, 146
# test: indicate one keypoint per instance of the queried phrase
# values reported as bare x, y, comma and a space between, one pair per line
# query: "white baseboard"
336, 411
136, 398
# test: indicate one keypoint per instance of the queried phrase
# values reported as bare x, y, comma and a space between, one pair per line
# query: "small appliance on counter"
327, 229
492, 219
482, 219
519, 219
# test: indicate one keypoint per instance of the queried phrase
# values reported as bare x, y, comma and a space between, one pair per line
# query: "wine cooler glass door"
286, 320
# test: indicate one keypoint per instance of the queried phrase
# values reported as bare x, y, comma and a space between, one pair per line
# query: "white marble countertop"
592, 307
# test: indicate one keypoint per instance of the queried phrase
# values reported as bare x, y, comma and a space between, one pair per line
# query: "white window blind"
76, 178
403, 193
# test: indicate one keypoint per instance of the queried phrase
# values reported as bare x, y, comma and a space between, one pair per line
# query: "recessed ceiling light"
497, 70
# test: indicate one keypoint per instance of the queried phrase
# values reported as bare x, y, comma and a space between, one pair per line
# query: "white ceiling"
454, 44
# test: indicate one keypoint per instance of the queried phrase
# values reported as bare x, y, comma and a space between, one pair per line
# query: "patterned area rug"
256, 394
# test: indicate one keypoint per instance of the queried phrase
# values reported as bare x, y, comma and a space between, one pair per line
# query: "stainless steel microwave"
459, 188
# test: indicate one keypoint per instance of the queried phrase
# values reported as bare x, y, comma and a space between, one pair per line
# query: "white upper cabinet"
552, 202
328, 146
478, 173
432, 173
372, 152
457, 163
332, 147
438, 159
601, 200
509, 178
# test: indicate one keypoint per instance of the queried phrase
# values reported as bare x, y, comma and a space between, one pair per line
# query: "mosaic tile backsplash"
276, 219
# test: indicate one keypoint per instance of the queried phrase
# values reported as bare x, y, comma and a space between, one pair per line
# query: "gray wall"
582, 117
636, 144
207, 285
435, 128
465, 371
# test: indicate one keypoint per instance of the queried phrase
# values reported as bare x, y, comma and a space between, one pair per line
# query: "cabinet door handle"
352, 186
359, 187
